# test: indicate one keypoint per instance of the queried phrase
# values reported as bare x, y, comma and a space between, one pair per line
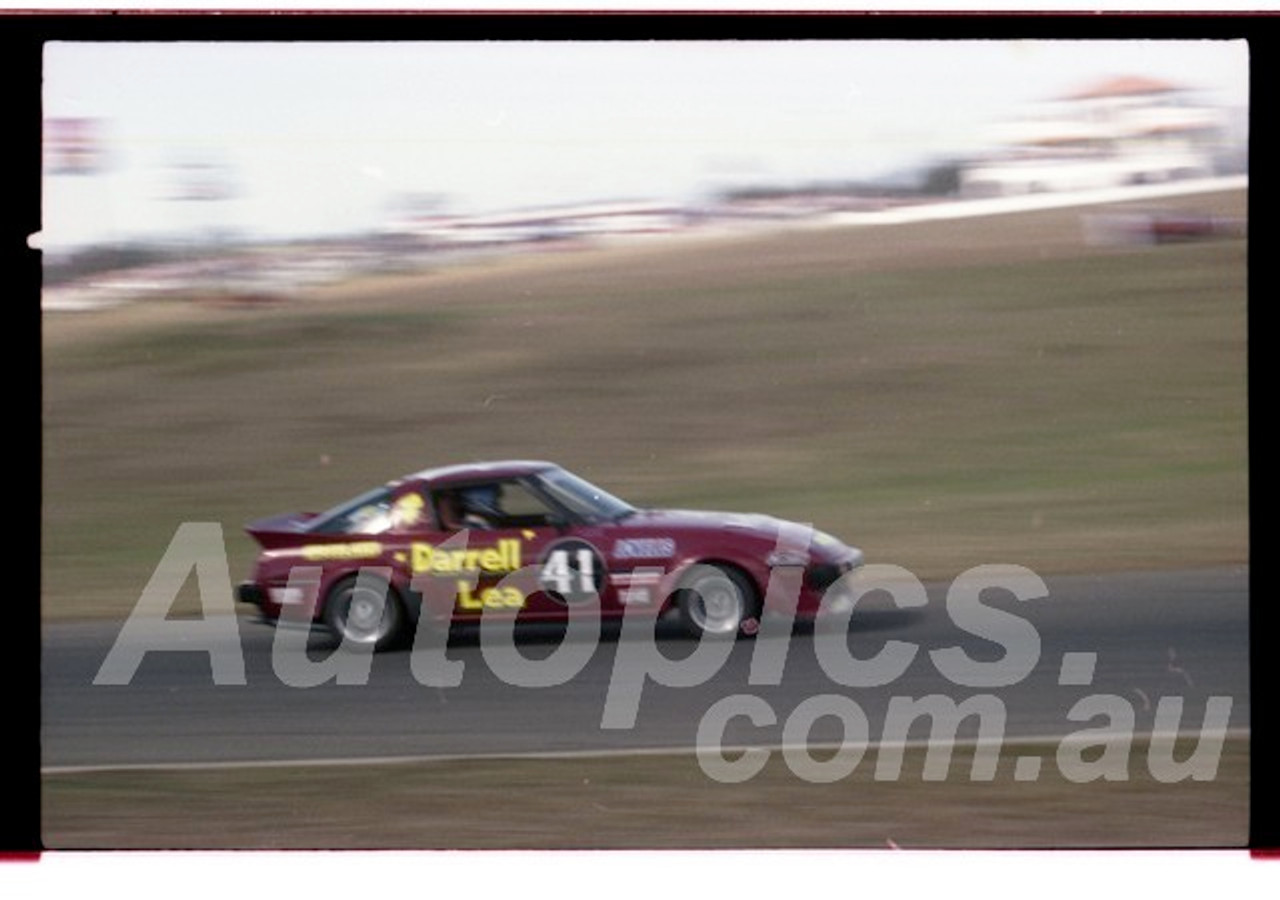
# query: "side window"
522, 508
492, 505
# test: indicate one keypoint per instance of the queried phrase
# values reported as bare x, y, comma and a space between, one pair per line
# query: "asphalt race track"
1160, 634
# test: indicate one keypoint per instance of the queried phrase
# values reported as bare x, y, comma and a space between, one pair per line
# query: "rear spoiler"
279, 531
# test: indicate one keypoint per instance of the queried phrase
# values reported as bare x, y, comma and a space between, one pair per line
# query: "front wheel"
364, 613
716, 601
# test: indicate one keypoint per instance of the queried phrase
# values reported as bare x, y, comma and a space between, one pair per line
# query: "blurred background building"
1119, 131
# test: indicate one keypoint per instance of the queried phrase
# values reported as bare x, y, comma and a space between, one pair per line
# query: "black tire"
716, 600
365, 615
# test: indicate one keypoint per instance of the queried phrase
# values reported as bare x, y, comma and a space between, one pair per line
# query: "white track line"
426, 759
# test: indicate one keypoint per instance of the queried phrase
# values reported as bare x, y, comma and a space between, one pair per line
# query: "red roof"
1123, 86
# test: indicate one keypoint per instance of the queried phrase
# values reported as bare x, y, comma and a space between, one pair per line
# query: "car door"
488, 558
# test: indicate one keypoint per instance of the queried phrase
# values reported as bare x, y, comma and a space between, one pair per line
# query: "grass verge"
647, 801
943, 395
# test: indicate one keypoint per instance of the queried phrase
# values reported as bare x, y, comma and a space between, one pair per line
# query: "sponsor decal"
286, 596
505, 557
489, 598
407, 510
357, 550
638, 586
637, 595
644, 548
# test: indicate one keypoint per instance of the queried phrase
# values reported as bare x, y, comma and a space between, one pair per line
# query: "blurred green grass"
646, 801
942, 395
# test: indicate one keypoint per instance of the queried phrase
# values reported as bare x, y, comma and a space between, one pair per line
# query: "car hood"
766, 529
761, 525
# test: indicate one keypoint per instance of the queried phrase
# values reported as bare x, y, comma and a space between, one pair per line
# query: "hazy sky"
320, 138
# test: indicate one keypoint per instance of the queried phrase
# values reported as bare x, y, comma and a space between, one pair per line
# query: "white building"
1127, 130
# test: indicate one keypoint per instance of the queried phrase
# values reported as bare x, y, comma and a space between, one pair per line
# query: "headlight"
822, 539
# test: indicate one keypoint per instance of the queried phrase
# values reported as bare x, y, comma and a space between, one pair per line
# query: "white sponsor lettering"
644, 548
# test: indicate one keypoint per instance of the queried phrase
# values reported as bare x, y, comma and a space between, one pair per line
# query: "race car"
531, 540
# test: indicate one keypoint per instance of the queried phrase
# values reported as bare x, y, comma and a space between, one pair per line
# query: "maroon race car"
529, 540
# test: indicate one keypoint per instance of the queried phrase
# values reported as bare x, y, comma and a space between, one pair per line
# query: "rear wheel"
364, 612
715, 601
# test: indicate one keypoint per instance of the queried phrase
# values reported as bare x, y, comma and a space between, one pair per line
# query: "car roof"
510, 468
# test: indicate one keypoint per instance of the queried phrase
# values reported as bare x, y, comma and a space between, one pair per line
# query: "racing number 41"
557, 575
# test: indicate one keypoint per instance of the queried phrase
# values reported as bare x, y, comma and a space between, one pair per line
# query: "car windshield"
581, 497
